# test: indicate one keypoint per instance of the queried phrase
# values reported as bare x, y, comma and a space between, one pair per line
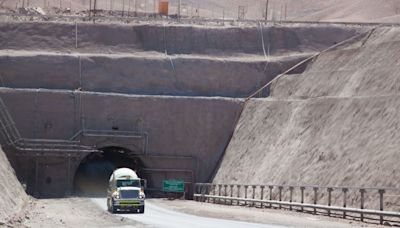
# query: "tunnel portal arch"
92, 175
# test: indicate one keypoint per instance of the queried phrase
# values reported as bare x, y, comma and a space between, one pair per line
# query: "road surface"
156, 216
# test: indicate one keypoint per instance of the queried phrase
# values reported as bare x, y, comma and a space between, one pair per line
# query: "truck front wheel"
141, 209
108, 205
112, 208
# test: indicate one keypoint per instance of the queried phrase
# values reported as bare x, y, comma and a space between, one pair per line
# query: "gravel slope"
336, 124
12, 198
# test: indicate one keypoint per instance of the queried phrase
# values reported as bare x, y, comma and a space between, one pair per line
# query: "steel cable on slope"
262, 40
311, 58
266, 53
177, 82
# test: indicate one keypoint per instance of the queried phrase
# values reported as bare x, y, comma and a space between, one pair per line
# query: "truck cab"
125, 192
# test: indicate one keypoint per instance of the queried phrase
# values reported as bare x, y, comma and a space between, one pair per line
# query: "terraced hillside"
166, 96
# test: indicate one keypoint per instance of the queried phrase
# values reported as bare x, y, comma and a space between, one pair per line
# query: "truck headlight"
115, 195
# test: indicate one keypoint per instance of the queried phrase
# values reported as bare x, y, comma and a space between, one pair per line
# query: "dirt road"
183, 213
91, 212
157, 216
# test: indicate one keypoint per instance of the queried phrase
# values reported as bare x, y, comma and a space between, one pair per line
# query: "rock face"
336, 124
13, 196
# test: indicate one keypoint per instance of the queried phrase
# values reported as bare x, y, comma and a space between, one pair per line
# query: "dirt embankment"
13, 198
337, 124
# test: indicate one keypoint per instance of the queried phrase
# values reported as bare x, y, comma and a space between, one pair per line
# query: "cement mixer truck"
125, 192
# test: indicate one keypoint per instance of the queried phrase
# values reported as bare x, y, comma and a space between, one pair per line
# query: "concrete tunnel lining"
95, 169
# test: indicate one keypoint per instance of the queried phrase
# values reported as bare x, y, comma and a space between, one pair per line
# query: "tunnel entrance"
93, 173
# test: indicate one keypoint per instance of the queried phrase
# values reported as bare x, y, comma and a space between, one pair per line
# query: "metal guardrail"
226, 194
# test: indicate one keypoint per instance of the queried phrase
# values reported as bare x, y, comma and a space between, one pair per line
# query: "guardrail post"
262, 195
196, 189
291, 196
270, 195
302, 196
208, 192
381, 192
231, 194
245, 194
329, 200
205, 192
315, 198
345, 190
280, 196
362, 192
238, 193
209, 188
253, 194
219, 193
214, 192
200, 191
225, 192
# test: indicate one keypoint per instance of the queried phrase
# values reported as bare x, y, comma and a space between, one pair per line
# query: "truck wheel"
112, 208
108, 205
141, 209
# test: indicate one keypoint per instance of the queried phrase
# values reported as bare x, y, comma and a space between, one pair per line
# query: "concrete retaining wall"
197, 127
151, 75
171, 39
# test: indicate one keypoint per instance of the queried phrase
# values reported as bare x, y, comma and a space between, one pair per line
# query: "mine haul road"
156, 216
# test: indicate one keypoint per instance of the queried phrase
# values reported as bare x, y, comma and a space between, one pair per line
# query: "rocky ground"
69, 212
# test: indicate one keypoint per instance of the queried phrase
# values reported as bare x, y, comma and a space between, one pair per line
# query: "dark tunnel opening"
93, 173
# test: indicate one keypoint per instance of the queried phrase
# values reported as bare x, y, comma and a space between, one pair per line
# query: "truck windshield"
128, 183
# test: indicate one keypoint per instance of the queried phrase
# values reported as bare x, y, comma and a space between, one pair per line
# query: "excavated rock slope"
12, 197
337, 124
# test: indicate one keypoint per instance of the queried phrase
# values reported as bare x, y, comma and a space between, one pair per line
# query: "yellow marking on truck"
129, 202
